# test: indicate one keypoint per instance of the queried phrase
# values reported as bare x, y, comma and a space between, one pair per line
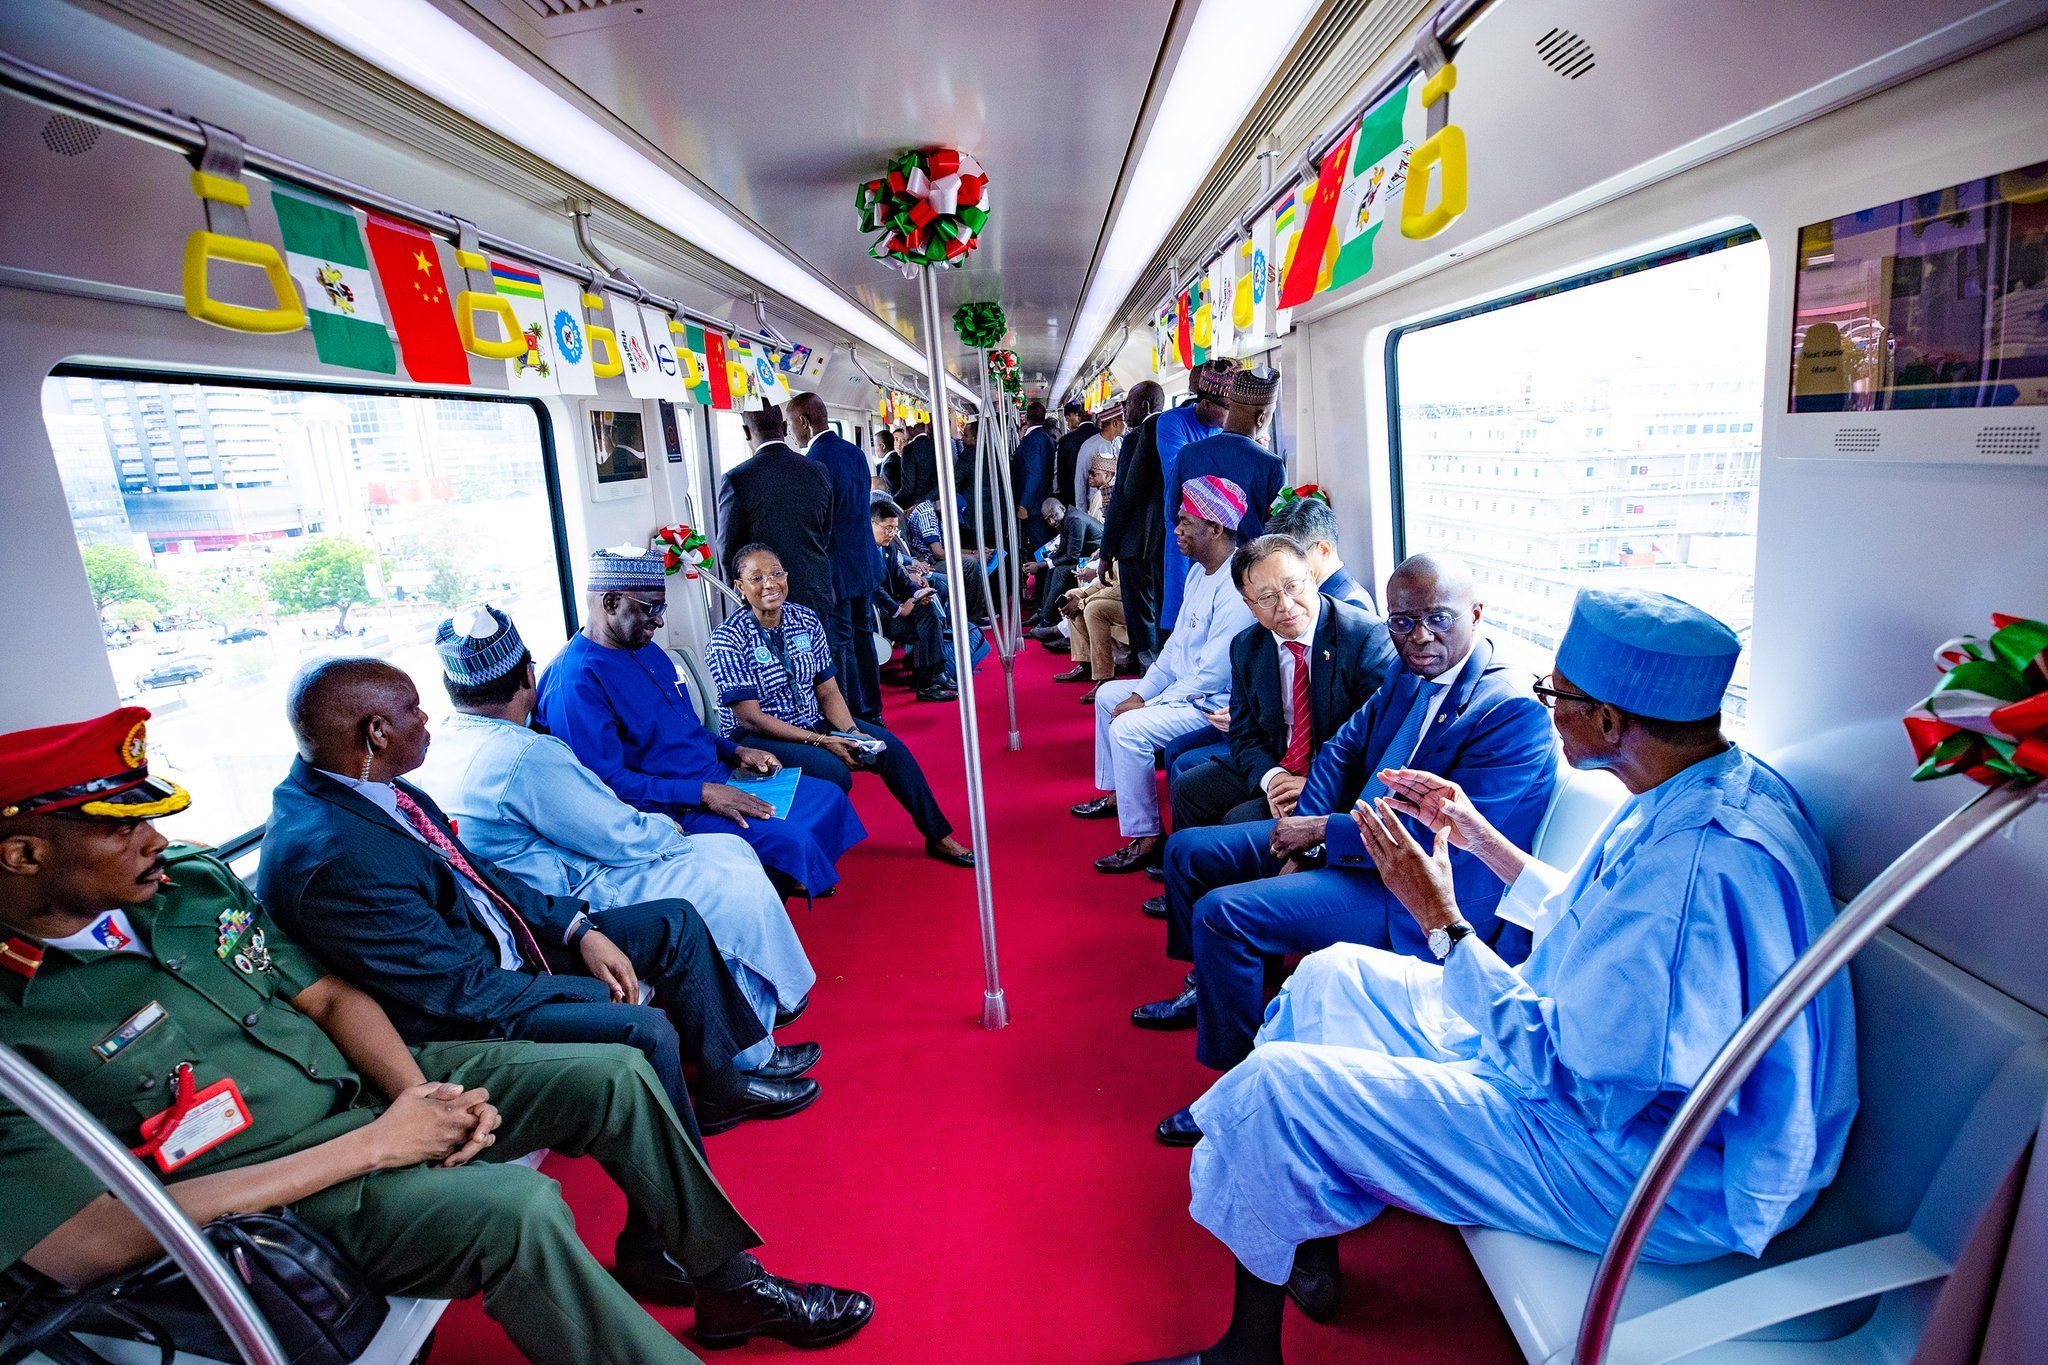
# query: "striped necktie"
1300, 729
1402, 747
529, 946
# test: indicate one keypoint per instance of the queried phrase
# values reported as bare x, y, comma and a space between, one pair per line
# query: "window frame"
1398, 501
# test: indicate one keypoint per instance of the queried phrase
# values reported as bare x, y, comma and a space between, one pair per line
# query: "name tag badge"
139, 1023
195, 1124
801, 643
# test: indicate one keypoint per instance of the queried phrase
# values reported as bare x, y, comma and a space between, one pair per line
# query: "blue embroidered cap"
625, 568
1648, 653
478, 646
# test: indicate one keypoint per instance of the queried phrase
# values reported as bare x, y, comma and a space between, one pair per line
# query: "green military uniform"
214, 990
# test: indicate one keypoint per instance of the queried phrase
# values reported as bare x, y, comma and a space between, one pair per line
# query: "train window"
729, 441
1545, 377
233, 531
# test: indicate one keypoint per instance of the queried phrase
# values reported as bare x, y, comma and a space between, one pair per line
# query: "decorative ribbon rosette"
1988, 716
1008, 374
930, 207
683, 550
1312, 491
980, 325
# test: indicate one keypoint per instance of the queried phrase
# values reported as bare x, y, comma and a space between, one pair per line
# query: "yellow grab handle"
468, 304
693, 369
603, 340
203, 247
1444, 151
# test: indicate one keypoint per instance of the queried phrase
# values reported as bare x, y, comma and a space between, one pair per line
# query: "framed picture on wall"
618, 450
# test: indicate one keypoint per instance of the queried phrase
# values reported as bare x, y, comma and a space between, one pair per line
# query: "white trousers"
1123, 752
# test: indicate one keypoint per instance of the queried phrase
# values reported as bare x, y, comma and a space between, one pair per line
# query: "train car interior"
377, 357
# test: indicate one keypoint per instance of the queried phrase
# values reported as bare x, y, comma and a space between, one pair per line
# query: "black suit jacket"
919, 479
854, 570
385, 911
1349, 657
785, 502
1080, 536
1066, 455
1134, 524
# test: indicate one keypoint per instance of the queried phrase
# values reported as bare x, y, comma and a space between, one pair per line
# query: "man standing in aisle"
1134, 527
1067, 459
1190, 676
856, 568
1235, 453
1098, 453
1176, 428
919, 480
1033, 477
775, 497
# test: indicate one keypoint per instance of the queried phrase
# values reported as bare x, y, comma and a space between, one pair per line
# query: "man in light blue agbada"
529, 805
1529, 1098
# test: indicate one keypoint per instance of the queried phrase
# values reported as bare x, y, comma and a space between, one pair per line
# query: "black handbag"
318, 1306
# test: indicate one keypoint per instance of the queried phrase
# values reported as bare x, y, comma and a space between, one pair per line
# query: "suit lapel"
1322, 674
1439, 733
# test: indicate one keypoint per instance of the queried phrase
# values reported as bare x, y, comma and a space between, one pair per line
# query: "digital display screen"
617, 445
1937, 301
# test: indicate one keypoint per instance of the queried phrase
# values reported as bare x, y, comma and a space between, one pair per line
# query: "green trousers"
503, 1230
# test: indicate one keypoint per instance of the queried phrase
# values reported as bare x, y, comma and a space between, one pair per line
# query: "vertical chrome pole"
1008, 626
995, 1011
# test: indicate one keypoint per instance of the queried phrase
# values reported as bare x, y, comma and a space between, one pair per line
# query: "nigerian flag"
1373, 183
323, 250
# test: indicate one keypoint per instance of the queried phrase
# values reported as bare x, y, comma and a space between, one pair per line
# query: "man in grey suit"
780, 499
1076, 536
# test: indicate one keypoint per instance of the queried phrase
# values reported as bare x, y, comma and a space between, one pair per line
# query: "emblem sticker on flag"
562, 307
323, 250
520, 286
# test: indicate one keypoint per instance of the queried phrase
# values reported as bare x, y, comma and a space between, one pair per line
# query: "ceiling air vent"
1562, 51
68, 136
1856, 440
564, 9
2008, 440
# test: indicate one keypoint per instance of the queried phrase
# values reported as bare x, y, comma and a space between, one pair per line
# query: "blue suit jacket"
1342, 586
855, 571
1490, 737
1350, 656
1034, 469
381, 909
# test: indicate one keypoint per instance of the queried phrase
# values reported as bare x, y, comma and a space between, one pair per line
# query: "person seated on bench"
527, 805
140, 976
1529, 1098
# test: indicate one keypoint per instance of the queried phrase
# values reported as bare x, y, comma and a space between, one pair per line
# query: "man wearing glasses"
623, 708
1239, 894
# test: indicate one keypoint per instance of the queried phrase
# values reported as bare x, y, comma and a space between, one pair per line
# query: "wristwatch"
1441, 941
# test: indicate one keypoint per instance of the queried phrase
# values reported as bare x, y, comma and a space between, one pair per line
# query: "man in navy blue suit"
856, 568
1033, 464
1312, 522
1295, 677
1238, 894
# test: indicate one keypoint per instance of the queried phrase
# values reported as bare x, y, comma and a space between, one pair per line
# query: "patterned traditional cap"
1648, 653
1110, 412
478, 646
1213, 498
1254, 388
97, 767
1212, 380
1103, 461
625, 568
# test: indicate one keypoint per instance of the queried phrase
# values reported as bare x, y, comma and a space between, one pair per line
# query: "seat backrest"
701, 692
1580, 805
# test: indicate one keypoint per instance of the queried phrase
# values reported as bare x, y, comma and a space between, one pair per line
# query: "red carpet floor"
1000, 1194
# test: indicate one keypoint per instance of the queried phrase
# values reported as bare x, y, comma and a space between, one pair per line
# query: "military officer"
144, 978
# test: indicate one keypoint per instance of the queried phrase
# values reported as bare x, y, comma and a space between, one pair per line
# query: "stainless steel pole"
1007, 633
62, 1117
1937, 851
995, 1011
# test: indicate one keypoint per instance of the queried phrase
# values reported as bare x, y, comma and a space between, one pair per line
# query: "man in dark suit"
918, 478
855, 570
1076, 537
1306, 648
1451, 709
367, 872
1311, 522
1134, 526
909, 607
1032, 480
1067, 451
779, 499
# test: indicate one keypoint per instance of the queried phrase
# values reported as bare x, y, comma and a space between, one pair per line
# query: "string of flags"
377, 294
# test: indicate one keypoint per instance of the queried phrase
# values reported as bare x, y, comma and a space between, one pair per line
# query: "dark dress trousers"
1080, 536
918, 480
1066, 456
1350, 655
784, 501
923, 630
1033, 483
1227, 911
1134, 535
855, 570
386, 911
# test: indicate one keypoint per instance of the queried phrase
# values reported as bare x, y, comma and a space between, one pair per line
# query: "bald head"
1448, 575
346, 710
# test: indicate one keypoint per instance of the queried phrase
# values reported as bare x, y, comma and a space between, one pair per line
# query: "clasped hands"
1420, 879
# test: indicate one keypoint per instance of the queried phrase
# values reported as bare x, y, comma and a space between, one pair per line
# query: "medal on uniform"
255, 955
233, 923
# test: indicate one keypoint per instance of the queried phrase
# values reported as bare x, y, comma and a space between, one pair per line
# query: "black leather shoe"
1167, 1016
1178, 1129
1157, 872
937, 694
784, 1018
788, 1063
1101, 808
1155, 907
787, 1310
1314, 1292
761, 1099
1140, 852
934, 848
656, 1278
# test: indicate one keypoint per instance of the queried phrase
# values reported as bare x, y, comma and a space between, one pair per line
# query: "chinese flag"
714, 363
1307, 266
1183, 338
416, 294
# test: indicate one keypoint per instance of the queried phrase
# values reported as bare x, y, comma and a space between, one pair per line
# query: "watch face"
1440, 943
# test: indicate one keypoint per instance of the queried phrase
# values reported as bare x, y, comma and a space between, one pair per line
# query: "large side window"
233, 532
1604, 432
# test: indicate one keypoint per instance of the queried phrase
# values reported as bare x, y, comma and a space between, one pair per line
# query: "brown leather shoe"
1142, 851
1078, 673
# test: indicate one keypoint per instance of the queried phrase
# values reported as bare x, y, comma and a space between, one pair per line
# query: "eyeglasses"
1290, 588
1439, 620
772, 576
654, 610
1551, 696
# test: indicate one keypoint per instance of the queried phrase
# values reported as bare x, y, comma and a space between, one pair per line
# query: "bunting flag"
1305, 262
409, 266
739, 374
1372, 187
520, 287
1200, 331
568, 335
710, 386
643, 379
1183, 338
769, 384
1283, 234
1222, 306
662, 348
1243, 299
1165, 336
323, 250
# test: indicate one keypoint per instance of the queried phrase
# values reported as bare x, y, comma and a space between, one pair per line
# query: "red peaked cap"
96, 767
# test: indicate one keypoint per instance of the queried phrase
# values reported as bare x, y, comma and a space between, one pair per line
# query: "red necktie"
1296, 761
445, 846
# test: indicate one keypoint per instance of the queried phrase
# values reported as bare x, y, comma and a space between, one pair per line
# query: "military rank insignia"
254, 956
234, 922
